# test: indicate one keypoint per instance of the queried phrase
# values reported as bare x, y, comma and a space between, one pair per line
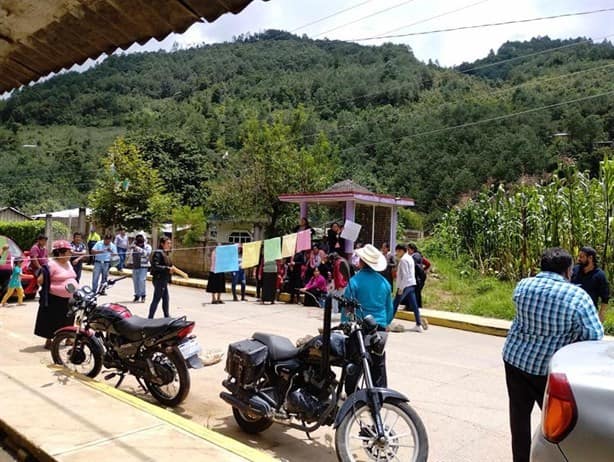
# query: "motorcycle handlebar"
110, 282
346, 302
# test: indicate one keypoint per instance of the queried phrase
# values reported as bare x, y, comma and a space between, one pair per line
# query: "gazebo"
376, 213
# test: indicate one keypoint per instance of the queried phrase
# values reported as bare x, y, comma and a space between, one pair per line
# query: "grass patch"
451, 287
454, 287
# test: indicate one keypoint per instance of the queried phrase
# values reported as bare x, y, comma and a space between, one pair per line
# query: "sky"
372, 18
369, 18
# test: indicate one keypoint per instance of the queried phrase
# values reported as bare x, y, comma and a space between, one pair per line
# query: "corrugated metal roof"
38, 37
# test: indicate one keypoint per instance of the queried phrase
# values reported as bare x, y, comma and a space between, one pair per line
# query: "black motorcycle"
156, 351
270, 380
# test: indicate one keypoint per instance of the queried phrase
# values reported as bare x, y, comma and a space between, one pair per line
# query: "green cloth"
272, 249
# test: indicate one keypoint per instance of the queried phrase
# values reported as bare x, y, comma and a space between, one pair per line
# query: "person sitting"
314, 289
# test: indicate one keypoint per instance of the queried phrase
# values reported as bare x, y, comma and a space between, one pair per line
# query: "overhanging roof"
38, 37
361, 198
348, 190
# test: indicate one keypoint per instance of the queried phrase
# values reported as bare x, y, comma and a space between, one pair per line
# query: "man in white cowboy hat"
373, 292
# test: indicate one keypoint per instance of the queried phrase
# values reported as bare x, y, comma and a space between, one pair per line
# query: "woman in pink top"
315, 288
53, 305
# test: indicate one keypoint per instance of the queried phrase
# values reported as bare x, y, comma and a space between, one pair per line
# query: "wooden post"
393, 228
373, 227
49, 231
154, 236
81, 221
350, 214
304, 210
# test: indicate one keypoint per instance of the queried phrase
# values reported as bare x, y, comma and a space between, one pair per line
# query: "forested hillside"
381, 117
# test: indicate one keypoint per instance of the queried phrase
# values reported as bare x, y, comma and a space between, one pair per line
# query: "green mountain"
394, 124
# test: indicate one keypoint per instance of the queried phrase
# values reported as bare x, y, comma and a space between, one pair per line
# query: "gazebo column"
393, 227
350, 214
304, 209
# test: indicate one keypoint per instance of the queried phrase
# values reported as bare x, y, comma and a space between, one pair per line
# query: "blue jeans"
122, 258
100, 270
408, 298
139, 278
238, 277
160, 293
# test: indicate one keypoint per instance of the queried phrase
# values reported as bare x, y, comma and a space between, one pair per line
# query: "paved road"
454, 379
5, 456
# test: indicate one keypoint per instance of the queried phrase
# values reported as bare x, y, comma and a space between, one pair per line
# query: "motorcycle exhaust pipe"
255, 405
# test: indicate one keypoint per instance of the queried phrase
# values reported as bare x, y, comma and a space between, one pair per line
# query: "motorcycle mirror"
71, 288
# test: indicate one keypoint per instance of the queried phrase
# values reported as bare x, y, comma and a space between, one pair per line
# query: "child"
15, 284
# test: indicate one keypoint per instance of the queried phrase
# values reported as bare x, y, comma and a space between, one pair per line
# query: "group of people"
54, 273
560, 305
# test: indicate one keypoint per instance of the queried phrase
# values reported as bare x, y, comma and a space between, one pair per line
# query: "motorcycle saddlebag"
246, 361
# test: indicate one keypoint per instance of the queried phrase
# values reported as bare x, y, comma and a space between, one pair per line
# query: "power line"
479, 26
430, 18
549, 79
365, 17
484, 121
503, 90
537, 53
463, 71
330, 16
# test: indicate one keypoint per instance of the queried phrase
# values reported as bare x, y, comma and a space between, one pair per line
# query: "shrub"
24, 233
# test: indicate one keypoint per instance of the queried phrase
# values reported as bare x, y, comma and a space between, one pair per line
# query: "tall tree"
129, 192
273, 160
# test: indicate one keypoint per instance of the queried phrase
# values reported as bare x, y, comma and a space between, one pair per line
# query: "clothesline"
226, 257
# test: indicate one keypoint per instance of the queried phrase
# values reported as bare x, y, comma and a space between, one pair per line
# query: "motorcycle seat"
279, 347
136, 328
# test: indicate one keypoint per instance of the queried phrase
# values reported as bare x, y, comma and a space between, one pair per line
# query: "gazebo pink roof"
348, 190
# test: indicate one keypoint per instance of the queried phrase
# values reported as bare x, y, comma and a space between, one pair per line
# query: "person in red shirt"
341, 276
38, 254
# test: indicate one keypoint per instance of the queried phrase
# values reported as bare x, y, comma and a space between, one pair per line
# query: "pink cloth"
318, 283
303, 240
60, 277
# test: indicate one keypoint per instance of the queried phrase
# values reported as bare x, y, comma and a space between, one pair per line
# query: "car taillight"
560, 412
187, 330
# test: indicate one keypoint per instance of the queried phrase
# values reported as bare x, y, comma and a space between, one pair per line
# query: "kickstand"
121, 379
138, 379
306, 433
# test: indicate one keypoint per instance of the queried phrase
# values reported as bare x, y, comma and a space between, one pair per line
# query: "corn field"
505, 230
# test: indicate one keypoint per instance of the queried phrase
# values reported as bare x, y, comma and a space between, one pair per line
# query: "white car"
578, 411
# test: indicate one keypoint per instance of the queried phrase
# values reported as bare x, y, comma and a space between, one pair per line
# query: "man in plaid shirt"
550, 313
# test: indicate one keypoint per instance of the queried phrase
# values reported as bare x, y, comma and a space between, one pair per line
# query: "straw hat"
372, 257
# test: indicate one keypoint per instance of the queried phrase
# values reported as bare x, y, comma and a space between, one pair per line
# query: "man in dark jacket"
592, 279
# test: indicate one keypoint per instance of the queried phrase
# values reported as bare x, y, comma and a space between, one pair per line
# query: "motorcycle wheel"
174, 391
251, 425
77, 352
406, 439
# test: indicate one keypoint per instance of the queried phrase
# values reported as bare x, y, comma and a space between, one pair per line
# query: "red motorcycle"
157, 352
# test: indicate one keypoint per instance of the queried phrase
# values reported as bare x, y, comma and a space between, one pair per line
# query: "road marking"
173, 419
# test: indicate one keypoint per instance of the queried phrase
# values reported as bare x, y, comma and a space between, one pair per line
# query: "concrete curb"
224, 442
439, 318
23, 448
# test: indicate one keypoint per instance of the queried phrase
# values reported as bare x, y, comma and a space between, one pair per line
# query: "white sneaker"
416, 329
424, 323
